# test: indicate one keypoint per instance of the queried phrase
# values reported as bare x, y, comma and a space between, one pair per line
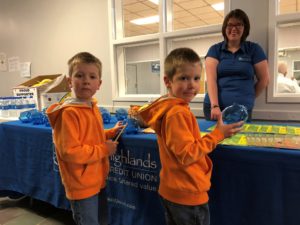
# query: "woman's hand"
215, 113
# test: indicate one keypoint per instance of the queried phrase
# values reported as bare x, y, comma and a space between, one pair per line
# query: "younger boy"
82, 145
186, 168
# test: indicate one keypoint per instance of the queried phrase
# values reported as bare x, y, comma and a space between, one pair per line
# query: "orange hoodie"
186, 168
79, 138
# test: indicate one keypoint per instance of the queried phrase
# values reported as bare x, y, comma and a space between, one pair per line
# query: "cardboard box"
26, 90
55, 92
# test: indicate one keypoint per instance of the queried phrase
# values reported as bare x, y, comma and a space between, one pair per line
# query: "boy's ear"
100, 82
69, 80
167, 82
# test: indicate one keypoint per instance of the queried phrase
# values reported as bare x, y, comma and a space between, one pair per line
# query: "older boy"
186, 168
82, 145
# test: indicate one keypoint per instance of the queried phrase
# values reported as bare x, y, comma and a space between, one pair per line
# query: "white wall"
48, 33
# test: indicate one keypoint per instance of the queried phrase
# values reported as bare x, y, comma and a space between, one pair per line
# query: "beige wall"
48, 33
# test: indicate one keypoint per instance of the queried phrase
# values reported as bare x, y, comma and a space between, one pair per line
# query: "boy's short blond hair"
177, 58
84, 57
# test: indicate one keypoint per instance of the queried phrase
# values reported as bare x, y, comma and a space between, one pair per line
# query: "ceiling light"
155, 1
218, 6
146, 20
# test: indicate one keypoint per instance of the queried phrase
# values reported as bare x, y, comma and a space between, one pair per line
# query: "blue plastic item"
45, 117
25, 117
105, 115
37, 117
121, 114
132, 126
234, 113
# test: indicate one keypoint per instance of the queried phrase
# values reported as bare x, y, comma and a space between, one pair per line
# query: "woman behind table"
231, 66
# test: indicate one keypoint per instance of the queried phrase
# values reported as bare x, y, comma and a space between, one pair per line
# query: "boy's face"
186, 82
85, 81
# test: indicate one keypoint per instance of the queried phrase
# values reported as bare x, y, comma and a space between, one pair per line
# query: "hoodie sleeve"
68, 141
183, 138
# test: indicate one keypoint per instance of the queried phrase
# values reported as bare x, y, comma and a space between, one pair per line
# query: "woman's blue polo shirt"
235, 73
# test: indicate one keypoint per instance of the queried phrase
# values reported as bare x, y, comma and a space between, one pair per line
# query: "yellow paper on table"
293, 130
237, 140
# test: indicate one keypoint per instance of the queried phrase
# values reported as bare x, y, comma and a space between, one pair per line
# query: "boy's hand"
229, 129
111, 146
118, 126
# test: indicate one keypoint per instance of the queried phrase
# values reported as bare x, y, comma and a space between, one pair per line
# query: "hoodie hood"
153, 114
55, 109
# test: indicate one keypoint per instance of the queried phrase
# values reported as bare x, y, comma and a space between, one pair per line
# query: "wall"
48, 33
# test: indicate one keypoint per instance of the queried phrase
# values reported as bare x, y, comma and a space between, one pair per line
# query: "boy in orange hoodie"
82, 146
186, 168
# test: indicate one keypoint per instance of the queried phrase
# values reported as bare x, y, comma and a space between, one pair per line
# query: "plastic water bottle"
25, 102
12, 107
31, 103
1, 107
19, 106
5, 107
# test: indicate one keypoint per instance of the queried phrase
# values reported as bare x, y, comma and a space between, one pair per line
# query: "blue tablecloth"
249, 185
27, 164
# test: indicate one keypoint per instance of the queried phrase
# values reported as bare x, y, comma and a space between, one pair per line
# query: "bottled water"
12, 107
5, 107
20, 106
31, 103
26, 105
1, 107
16, 106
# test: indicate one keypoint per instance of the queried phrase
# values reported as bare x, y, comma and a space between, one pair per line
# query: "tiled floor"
32, 212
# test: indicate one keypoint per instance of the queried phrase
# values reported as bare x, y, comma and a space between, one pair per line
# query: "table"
250, 185
28, 166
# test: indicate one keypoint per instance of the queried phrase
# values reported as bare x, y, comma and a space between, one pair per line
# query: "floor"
25, 211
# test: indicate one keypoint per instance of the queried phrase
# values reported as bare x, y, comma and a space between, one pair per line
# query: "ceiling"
187, 14
289, 6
